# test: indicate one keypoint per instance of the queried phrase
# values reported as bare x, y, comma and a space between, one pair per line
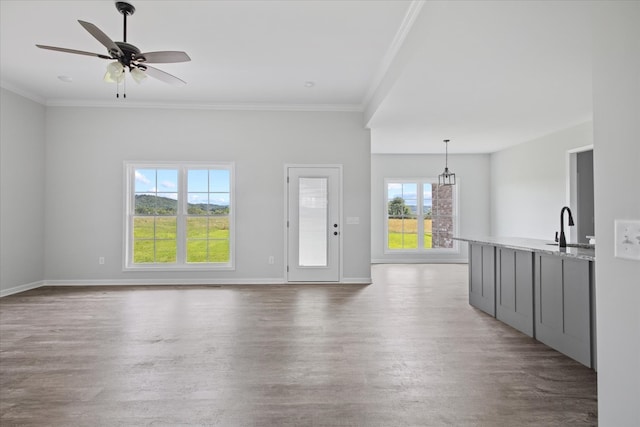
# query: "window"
420, 215
179, 216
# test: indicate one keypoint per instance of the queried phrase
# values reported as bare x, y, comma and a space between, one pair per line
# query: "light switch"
627, 239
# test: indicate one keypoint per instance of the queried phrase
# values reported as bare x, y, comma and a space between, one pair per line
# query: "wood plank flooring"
407, 350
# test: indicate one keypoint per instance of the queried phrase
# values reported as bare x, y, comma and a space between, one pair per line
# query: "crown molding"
407, 23
97, 103
22, 92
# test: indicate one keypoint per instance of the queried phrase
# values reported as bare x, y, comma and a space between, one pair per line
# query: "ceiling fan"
127, 56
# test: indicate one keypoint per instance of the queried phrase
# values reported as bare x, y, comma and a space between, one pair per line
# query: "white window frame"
419, 214
182, 215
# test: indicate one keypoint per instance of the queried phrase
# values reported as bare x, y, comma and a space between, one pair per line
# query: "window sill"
165, 268
422, 251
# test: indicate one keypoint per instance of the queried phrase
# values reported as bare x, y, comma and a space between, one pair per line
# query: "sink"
576, 245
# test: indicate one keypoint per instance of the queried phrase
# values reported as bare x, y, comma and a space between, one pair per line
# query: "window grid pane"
208, 239
207, 229
402, 220
154, 216
155, 206
154, 239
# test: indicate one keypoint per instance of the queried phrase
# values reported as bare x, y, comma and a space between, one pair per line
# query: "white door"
313, 232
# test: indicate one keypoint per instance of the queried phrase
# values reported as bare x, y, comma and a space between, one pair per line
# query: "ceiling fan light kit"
115, 73
127, 56
138, 75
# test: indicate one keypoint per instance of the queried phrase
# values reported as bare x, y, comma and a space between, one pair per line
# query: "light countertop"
533, 245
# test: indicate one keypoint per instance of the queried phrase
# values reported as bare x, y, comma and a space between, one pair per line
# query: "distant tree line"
154, 205
397, 208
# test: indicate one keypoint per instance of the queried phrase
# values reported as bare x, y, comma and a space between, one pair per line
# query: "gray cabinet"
482, 277
547, 293
563, 309
514, 289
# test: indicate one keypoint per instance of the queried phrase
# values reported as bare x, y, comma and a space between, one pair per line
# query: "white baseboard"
178, 282
21, 288
163, 282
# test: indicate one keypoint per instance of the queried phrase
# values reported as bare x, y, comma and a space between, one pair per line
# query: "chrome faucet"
563, 240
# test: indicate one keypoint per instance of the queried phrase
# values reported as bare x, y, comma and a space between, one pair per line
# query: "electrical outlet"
627, 239
101, 260
271, 259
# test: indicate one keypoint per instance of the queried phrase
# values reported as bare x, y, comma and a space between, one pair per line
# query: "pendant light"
446, 177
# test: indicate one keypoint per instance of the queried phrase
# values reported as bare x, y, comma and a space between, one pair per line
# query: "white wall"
86, 148
528, 184
472, 174
22, 171
616, 89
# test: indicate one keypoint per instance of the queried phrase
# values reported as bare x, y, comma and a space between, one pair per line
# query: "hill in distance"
152, 205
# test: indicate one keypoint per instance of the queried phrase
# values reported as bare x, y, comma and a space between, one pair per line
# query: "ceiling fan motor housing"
130, 52
125, 8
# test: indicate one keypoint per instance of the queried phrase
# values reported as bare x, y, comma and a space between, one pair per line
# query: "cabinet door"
563, 305
482, 278
514, 289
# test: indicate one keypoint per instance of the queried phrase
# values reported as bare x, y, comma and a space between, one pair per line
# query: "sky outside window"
208, 186
204, 185
152, 181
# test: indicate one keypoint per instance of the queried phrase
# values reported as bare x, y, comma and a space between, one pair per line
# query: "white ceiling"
486, 75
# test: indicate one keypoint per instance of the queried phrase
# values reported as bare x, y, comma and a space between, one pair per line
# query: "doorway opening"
580, 191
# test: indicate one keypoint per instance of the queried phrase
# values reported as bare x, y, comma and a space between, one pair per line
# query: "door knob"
335, 233
335, 225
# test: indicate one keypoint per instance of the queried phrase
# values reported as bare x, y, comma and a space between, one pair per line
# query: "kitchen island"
544, 291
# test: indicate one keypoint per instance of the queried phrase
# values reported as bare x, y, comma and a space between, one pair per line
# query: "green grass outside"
403, 233
208, 238
408, 240
155, 239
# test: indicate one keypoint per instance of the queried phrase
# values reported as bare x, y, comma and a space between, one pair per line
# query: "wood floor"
407, 350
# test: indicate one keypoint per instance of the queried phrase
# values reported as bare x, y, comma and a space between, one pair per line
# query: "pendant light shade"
447, 177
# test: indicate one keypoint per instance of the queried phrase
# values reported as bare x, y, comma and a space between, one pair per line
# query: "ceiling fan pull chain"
124, 87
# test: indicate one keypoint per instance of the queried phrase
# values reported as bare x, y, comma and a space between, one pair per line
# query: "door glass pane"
313, 222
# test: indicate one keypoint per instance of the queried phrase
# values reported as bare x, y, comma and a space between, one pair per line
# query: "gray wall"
74, 188
616, 95
22, 172
529, 183
86, 148
472, 173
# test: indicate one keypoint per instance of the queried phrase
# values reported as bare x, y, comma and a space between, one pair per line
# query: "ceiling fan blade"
163, 57
102, 38
162, 75
78, 52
